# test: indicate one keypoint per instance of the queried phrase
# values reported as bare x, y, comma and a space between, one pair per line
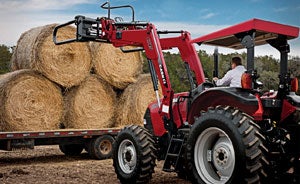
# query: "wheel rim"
214, 156
105, 147
127, 156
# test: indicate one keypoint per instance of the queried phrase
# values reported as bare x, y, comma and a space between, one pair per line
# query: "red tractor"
209, 134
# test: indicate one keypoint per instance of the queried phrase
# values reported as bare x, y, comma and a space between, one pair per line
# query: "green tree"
266, 63
5, 56
177, 72
269, 79
294, 66
207, 63
268, 69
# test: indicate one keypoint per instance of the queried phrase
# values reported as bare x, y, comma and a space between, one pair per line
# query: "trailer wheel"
224, 147
101, 147
71, 149
134, 155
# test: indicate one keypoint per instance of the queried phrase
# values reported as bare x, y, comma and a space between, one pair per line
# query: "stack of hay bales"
71, 85
29, 102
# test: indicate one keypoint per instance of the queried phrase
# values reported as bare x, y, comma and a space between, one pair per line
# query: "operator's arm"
225, 81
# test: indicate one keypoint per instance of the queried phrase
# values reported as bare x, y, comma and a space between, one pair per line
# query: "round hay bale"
90, 105
117, 68
67, 64
134, 101
29, 102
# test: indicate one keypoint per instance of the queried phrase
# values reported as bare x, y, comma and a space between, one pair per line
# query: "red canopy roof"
265, 30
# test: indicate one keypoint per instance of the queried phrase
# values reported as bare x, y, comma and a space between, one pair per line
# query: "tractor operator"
233, 77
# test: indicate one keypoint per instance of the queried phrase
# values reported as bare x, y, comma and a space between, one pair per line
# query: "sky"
199, 17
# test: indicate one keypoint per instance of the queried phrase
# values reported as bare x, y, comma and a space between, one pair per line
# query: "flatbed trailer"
97, 142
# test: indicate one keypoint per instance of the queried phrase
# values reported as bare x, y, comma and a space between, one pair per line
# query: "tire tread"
147, 157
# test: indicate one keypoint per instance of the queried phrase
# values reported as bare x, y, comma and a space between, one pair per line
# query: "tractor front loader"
208, 134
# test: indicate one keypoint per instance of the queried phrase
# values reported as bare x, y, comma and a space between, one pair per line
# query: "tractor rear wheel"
224, 147
134, 155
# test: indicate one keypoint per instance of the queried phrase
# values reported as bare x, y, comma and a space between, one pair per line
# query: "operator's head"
236, 61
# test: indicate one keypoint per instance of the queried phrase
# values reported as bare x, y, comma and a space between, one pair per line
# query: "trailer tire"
101, 147
71, 149
134, 155
224, 147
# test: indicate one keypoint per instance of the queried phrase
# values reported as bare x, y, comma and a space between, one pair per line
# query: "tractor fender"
225, 96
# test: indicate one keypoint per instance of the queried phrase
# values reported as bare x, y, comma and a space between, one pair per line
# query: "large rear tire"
134, 155
224, 147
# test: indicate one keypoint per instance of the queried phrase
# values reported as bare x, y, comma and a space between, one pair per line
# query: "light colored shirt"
232, 77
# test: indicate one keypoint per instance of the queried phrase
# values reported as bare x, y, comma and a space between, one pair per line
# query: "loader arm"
149, 40
187, 51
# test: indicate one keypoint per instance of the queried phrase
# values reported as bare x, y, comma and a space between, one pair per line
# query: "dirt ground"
46, 164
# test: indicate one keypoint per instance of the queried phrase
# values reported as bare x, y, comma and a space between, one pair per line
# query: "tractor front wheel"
134, 155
